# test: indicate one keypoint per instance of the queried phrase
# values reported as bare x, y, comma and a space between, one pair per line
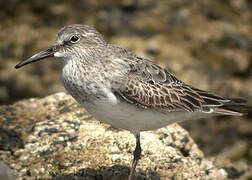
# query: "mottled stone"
62, 141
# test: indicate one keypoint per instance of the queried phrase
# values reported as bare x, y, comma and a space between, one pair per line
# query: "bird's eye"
74, 39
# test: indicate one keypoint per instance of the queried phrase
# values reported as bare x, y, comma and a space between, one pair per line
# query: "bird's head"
72, 42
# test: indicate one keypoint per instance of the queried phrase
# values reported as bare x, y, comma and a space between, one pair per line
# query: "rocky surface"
54, 138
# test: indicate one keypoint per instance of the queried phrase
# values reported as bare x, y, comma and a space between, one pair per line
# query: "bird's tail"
233, 107
220, 105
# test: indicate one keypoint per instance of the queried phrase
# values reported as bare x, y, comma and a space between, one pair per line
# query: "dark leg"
137, 156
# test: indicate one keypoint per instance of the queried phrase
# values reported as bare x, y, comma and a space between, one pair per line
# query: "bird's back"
149, 86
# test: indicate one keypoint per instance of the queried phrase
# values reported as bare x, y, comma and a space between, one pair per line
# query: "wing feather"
150, 86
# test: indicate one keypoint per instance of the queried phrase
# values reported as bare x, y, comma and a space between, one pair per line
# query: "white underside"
135, 119
118, 113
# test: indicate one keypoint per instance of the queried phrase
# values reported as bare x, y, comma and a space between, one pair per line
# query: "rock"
55, 138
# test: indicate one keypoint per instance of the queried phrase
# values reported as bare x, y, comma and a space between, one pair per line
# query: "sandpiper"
127, 91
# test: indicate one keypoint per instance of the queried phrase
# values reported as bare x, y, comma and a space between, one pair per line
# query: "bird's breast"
86, 85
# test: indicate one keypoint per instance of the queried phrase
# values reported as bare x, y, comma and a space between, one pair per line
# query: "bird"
125, 90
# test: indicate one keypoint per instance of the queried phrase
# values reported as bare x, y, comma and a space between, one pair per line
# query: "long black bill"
41, 55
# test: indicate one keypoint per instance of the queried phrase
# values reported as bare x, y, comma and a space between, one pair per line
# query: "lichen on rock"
55, 138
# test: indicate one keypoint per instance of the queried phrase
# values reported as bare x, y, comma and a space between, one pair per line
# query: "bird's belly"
105, 107
135, 119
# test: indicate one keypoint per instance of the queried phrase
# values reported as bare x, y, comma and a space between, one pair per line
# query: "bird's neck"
92, 74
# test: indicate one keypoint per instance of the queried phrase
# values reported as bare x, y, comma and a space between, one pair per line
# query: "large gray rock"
55, 138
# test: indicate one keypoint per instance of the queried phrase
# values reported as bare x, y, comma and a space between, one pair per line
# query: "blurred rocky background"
206, 43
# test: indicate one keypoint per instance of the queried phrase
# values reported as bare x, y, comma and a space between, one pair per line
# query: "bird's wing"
150, 86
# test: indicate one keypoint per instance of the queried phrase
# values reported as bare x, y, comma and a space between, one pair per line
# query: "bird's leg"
137, 156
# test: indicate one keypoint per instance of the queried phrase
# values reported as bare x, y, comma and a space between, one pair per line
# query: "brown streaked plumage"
150, 86
119, 88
